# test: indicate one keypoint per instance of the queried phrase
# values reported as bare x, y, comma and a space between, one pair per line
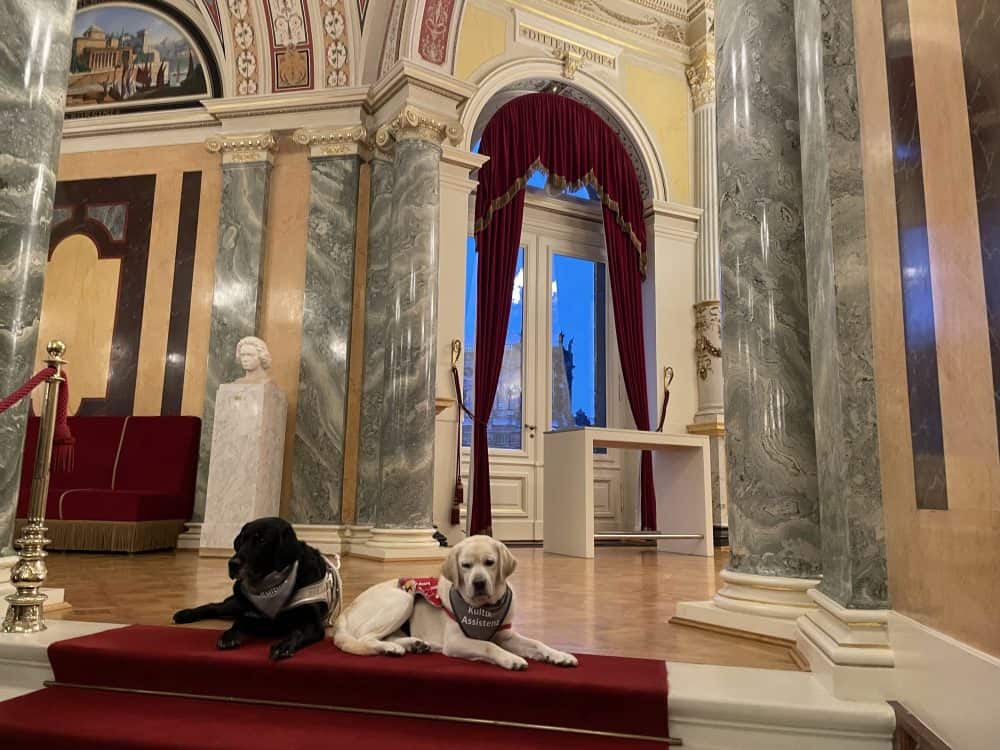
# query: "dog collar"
483, 622
276, 590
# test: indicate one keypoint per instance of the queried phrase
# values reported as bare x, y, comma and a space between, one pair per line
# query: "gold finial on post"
24, 610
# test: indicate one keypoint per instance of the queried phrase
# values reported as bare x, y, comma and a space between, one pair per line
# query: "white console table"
681, 473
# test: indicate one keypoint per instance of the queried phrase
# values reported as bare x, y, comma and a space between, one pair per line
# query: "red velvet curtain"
571, 143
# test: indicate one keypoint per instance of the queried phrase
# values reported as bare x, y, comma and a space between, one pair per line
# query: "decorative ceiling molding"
666, 27
290, 43
337, 63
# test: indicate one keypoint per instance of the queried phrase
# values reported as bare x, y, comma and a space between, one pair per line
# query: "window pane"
579, 370
505, 425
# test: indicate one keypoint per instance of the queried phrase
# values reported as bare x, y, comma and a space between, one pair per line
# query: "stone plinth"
244, 476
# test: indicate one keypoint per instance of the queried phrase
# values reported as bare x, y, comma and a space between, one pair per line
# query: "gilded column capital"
701, 79
243, 148
333, 141
411, 123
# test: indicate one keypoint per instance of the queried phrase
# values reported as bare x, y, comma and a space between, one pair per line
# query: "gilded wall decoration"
290, 43
656, 27
435, 26
337, 67
708, 327
244, 36
701, 79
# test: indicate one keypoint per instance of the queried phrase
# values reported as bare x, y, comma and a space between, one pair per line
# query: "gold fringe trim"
110, 536
561, 183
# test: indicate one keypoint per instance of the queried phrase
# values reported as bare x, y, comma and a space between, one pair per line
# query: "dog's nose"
234, 566
479, 584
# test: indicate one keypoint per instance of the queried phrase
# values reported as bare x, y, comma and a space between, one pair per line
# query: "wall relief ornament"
661, 29
434, 29
707, 327
571, 61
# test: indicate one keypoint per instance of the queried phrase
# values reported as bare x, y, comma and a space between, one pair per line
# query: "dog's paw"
419, 647
562, 659
282, 650
227, 641
513, 662
185, 616
391, 649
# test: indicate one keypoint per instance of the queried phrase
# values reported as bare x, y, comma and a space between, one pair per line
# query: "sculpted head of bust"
255, 359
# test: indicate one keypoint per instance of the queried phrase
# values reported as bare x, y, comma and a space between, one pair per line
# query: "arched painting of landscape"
129, 56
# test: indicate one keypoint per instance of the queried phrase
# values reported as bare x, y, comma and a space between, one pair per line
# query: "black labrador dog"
282, 587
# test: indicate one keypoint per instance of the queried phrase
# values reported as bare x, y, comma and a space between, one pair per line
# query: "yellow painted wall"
78, 307
482, 37
663, 103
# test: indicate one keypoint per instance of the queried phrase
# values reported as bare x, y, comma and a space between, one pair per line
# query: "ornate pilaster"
708, 330
239, 266
321, 418
403, 514
34, 64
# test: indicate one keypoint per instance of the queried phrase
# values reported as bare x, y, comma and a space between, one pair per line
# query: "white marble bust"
255, 359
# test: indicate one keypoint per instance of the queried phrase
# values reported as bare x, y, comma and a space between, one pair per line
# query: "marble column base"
244, 478
848, 649
328, 538
401, 544
755, 605
56, 597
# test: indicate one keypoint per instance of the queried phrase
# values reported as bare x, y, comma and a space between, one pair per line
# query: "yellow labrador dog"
466, 613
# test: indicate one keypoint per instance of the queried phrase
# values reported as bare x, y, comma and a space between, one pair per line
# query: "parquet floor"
617, 604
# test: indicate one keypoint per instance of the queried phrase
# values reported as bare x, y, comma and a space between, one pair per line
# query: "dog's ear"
286, 551
449, 568
508, 563
239, 538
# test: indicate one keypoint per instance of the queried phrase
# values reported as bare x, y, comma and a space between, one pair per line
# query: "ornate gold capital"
701, 79
411, 123
240, 149
333, 141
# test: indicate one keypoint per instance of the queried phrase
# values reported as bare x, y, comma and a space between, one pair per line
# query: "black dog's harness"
278, 593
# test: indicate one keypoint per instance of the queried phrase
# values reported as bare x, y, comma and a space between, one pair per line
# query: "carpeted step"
74, 719
606, 694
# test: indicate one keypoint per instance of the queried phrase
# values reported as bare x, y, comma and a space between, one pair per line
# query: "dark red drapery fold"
573, 144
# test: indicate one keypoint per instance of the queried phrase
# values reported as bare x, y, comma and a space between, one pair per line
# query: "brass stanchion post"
24, 611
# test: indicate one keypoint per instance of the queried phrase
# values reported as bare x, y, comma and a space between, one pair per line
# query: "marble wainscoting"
239, 265
376, 313
840, 321
318, 458
33, 90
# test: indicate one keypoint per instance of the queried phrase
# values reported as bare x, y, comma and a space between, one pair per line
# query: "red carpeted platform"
603, 694
73, 719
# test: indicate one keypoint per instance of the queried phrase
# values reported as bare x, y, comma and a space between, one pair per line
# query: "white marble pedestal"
244, 475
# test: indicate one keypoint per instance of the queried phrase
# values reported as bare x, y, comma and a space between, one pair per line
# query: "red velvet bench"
131, 488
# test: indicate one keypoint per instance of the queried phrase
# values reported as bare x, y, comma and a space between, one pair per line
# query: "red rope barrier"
63, 442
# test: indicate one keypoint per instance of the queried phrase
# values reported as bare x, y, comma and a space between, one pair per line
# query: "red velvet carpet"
605, 694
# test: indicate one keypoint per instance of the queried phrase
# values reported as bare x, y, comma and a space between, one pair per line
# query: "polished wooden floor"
620, 603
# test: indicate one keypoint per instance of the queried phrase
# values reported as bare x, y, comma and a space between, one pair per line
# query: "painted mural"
128, 56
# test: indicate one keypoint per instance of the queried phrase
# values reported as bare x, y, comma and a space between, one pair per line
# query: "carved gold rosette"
333, 141
708, 328
243, 148
412, 123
